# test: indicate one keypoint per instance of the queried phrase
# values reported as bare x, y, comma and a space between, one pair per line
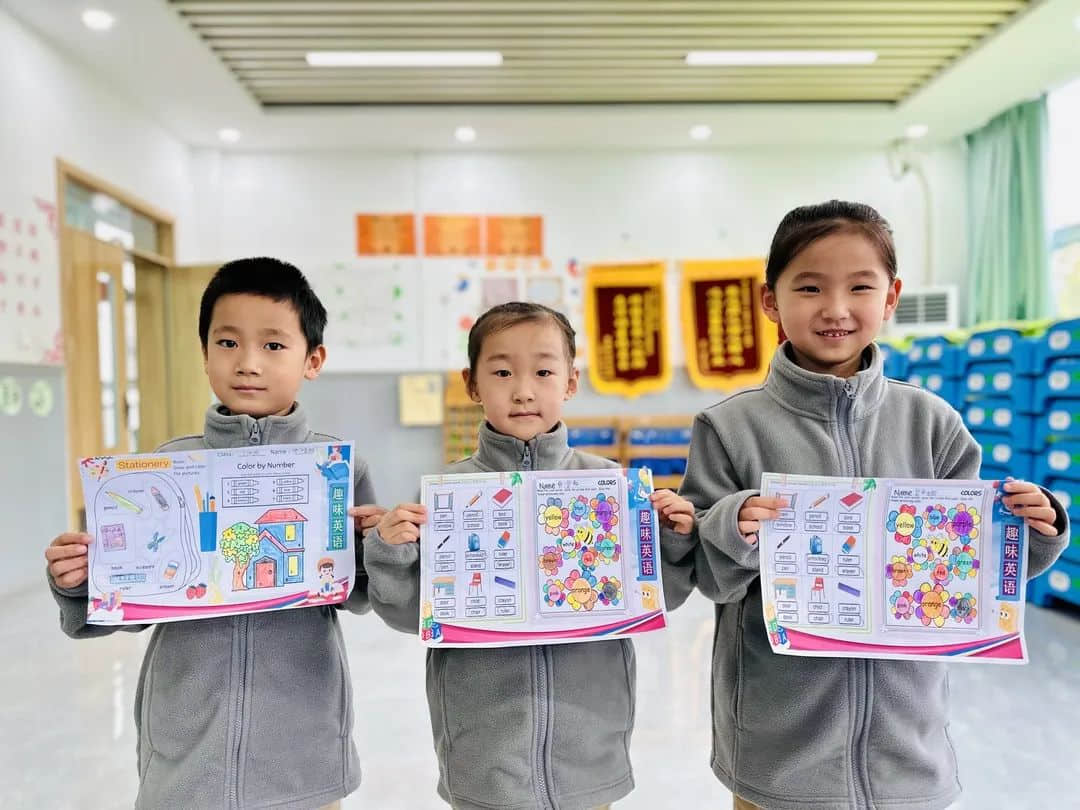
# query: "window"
1063, 197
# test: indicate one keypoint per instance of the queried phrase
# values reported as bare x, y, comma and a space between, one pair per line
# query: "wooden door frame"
165, 256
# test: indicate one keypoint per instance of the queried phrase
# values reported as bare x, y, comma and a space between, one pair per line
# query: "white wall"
597, 206
1063, 162
53, 107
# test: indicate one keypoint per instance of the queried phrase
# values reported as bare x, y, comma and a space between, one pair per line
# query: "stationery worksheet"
215, 532
893, 568
522, 558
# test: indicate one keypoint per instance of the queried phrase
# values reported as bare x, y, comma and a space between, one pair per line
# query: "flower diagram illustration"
905, 523
962, 608
582, 531
931, 605
940, 551
902, 604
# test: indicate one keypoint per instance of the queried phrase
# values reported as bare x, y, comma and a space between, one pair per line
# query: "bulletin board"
29, 282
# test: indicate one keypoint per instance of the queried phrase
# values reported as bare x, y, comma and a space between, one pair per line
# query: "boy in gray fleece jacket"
249, 711
518, 727
795, 732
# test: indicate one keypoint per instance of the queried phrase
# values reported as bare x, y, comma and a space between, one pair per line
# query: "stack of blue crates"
894, 360
998, 408
640, 439
933, 363
1056, 361
601, 440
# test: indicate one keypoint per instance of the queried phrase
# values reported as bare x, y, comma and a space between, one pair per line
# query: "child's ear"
316, 360
768, 303
892, 298
572, 382
470, 386
206, 360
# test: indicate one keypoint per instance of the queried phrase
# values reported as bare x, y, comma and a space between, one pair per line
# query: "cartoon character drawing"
931, 605
609, 591
939, 546
905, 524
650, 597
963, 523
1007, 617
583, 535
605, 512
963, 562
327, 587
898, 571
580, 593
551, 560
554, 593
962, 608
903, 604
553, 517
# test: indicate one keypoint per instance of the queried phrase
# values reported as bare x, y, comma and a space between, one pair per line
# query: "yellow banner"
727, 338
626, 328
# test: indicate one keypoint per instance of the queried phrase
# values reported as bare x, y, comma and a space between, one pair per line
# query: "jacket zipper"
859, 780
242, 633
542, 673
242, 626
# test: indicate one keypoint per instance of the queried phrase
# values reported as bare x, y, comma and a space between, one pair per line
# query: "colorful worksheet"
893, 568
216, 532
520, 558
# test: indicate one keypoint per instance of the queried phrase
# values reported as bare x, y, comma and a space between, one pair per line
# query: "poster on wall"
626, 328
385, 235
514, 235
451, 301
727, 339
372, 314
451, 235
29, 283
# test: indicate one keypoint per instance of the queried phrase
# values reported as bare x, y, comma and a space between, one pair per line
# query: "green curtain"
1009, 263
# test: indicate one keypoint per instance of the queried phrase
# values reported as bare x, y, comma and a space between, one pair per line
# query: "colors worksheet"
216, 532
893, 568
522, 558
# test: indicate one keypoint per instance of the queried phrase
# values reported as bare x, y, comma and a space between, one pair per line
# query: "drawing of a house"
280, 558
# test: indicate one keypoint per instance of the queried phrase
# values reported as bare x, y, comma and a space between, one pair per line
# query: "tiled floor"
69, 738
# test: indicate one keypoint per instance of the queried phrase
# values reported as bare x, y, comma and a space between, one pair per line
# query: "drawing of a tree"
239, 543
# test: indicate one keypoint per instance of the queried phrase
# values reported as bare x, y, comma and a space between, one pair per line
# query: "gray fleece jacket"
517, 727
251, 711
822, 733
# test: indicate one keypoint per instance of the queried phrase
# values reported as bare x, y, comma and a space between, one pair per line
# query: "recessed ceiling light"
97, 19
701, 132
917, 131
404, 58
779, 58
465, 134
229, 135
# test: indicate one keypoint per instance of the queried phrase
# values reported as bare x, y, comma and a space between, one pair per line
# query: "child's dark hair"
805, 225
510, 314
270, 278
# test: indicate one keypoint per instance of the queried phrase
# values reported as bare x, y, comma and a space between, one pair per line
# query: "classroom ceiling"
590, 51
